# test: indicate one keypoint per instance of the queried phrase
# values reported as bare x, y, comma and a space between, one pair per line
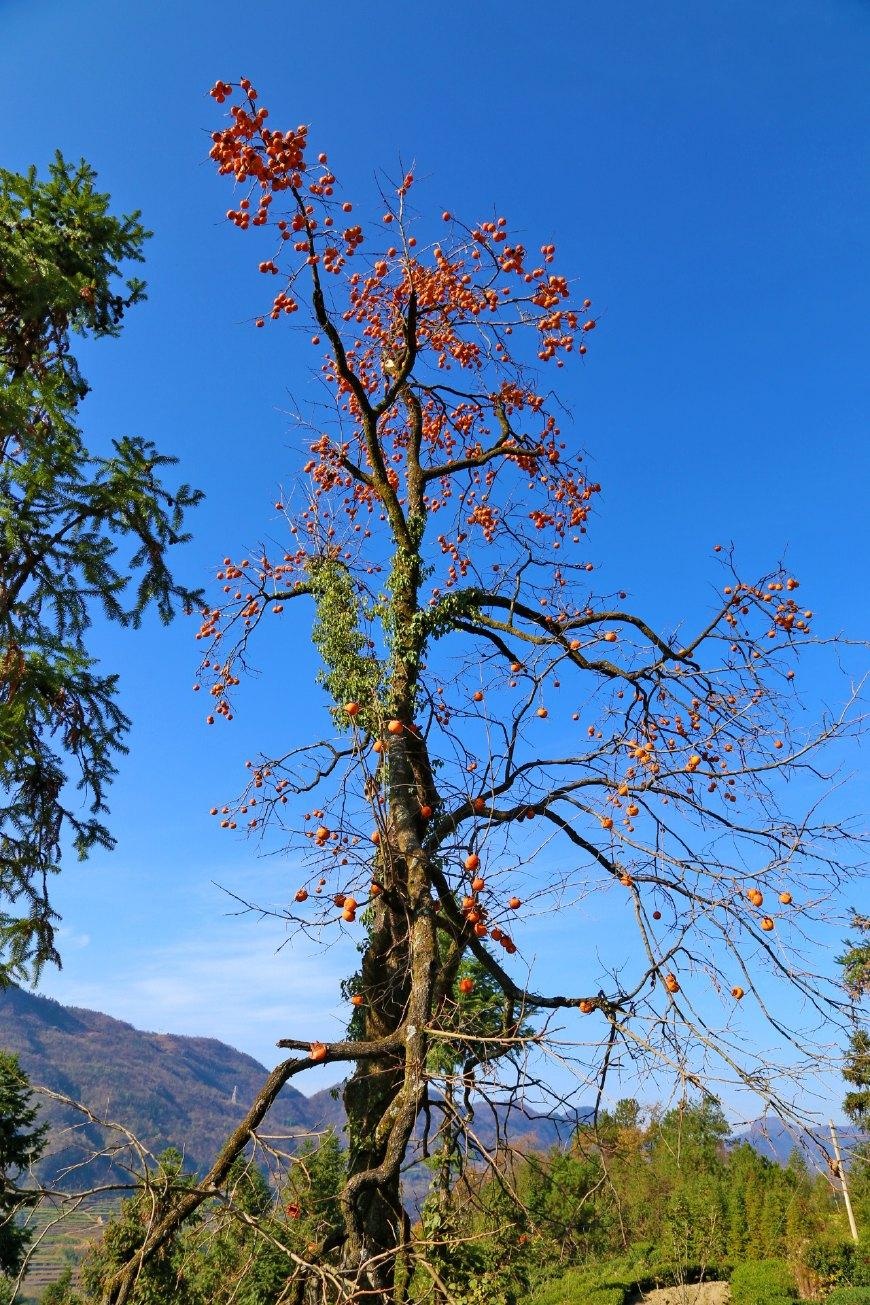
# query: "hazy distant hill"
771, 1138
170, 1091
178, 1091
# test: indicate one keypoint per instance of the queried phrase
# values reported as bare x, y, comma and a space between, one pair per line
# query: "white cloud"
67, 938
241, 981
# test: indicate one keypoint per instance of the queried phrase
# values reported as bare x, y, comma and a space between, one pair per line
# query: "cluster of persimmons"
437, 412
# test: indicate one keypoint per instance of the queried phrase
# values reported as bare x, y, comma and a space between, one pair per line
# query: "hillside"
191, 1092
169, 1090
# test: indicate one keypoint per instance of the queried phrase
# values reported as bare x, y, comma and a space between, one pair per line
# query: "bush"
849, 1296
839, 1263
587, 1286
763, 1282
615, 1282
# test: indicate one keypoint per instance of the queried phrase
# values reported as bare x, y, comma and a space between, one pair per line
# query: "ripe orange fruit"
302, 895
376, 836
348, 916
766, 923
515, 903
426, 812
377, 746
785, 898
542, 712
737, 993
321, 832
671, 983
478, 884
472, 861
357, 999
466, 985
755, 896
626, 880
586, 1006
606, 822
610, 636
318, 1051
478, 696
394, 727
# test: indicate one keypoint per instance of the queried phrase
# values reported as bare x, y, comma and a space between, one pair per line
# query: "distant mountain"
169, 1090
175, 1091
191, 1092
773, 1139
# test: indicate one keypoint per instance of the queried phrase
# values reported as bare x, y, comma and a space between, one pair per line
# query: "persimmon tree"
501, 738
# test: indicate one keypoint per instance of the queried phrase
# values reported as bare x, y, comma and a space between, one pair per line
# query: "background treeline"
643, 1196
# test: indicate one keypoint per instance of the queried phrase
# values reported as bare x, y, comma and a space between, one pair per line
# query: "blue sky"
703, 168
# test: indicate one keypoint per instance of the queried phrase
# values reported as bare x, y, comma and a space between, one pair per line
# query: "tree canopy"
22, 1142
81, 532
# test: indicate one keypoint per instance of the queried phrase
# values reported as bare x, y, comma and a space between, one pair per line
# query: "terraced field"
60, 1239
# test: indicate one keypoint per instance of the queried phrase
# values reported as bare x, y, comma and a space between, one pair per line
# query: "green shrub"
614, 1282
763, 1282
587, 1286
839, 1263
849, 1296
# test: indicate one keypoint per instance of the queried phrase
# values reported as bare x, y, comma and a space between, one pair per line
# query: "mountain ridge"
169, 1089
192, 1092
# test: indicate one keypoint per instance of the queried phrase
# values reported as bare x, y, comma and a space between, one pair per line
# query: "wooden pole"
841, 1174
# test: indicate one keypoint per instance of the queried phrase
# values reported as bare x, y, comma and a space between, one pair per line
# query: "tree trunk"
384, 1096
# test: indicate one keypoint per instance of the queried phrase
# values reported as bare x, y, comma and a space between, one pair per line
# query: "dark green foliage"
22, 1142
61, 1292
855, 962
763, 1282
856, 1071
856, 959
849, 1296
838, 1263
234, 1254
601, 1285
663, 1194
311, 1195
163, 1278
65, 513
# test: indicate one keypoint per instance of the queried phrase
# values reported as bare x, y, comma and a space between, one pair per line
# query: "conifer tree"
22, 1142
81, 532
856, 1071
